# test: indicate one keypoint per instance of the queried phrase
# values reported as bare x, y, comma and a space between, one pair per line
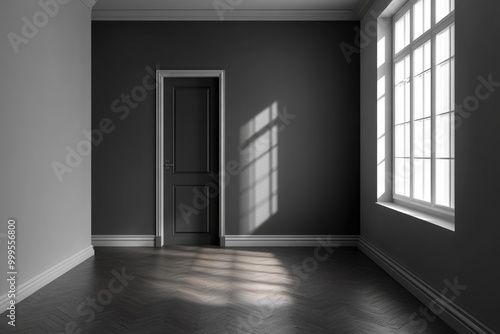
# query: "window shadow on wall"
258, 151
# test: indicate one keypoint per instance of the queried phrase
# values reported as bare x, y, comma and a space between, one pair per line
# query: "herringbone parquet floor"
214, 290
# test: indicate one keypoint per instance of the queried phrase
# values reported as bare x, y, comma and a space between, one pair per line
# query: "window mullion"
412, 170
452, 123
433, 105
393, 109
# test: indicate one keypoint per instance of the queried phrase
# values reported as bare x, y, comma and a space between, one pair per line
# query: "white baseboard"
123, 240
286, 240
452, 314
39, 281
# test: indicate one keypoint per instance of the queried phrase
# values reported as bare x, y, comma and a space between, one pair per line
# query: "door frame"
160, 131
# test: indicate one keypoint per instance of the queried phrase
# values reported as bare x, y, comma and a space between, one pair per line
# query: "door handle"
168, 165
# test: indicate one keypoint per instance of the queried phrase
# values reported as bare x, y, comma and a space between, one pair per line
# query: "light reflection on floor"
239, 276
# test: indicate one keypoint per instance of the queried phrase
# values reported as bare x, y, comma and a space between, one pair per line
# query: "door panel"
186, 220
191, 132
191, 111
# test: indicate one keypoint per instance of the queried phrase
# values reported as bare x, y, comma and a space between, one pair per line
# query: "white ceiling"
229, 9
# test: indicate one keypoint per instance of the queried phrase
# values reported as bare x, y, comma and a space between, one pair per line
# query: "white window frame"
429, 35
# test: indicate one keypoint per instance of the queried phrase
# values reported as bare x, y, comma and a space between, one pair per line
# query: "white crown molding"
286, 240
362, 7
123, 240
27, 288
89, 3
452, 314
213, 15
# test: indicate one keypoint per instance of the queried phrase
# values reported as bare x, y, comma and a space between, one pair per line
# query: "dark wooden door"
191, 161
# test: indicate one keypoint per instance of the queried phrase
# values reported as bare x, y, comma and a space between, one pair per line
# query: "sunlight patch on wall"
259, 168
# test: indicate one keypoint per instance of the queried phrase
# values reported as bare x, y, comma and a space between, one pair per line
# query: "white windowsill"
444, 222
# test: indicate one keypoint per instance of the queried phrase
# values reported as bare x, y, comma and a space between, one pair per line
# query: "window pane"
427, 138
427, 180
418, 60
407, 100
422, 138
452, 135
407, 67
422, 96
422, 81
452, 204
443, 182
427, 14
418, 19
452, 83
418, 97
402, 176
399, 141
402, 140
403, 70
402, 91
443, 95
399, 96
443, 136
443, 45
452, 39
421, 17
427, 94
418, 139
402, 33
400, 71
443, 8
422, 179
422, 58
452, 67
427, 55
407, 140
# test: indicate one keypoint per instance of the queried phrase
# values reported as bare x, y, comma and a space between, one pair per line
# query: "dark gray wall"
297, 64
432, 253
